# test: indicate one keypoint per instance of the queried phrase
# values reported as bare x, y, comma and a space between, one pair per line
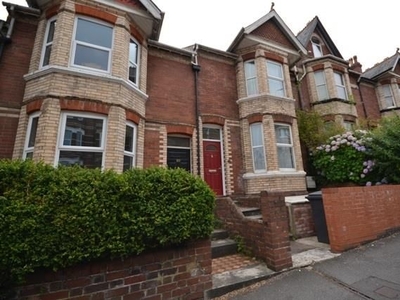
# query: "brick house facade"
87, 82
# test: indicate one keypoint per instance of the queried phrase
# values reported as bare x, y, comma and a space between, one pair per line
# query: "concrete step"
219, 234
250, 211
255, 217
223, 247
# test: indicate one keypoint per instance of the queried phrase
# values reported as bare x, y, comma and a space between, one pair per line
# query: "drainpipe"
196, 69
7, 39
362, 99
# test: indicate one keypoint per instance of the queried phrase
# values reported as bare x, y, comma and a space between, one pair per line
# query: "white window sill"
263, 96
84, 73
274, 174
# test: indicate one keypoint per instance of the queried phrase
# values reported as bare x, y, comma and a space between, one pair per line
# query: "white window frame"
388, 95
320, 98
48, 44
340, 85
258, 146
270, 77
135, 64
132, 153
61, 133
317, 47
28, 149
251, 78
75, 43
281, 145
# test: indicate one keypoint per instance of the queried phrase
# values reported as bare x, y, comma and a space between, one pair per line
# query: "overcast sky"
366, 28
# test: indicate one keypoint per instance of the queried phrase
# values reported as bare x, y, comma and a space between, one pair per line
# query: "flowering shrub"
344, 158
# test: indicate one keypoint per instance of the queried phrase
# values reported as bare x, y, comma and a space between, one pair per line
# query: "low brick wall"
182, 272
356, 215
268, 239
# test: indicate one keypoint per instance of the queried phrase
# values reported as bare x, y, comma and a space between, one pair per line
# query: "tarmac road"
368, 272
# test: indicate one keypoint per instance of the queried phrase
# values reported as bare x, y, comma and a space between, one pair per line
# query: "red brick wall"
271, 31
355, 215
170, 88
176, 273
14, 63
152, 144
217, 88
8, 128
370, 101
268, 239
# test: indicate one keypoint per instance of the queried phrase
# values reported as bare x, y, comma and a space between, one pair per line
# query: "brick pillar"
276, 233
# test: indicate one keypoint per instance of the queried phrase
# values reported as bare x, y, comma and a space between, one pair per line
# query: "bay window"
257, 146
92, 44
48, 41
31, 135
130, 146
81, 140
320, 83
275, 79
340, 86
387, 95
250, 73
133, 62
284, 143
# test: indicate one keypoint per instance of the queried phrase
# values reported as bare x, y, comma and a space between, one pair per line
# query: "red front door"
213, 166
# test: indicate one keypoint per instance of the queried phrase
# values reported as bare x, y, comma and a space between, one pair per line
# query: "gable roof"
150, 18
272, 15
315, 24
389, 64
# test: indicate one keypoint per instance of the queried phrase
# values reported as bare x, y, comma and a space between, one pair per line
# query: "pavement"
371, 271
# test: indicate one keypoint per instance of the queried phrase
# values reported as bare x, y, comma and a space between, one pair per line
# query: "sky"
364, 28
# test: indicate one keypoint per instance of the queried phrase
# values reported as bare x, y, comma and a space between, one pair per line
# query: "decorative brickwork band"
95, 13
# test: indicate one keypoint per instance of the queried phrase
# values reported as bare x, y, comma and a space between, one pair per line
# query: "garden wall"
182, 272
268, 238
356, 215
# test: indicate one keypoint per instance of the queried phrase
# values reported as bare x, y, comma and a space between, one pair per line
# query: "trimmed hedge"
55, 218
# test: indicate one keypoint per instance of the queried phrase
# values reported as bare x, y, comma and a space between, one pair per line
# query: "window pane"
94, 33
282, 134
178, 141
211, 133
341, 92
250, 69
274, 70
285, 157
133, 73
319, 78
252, 86
85, 132
128, 162
129, 138
338, 79
256, 135
29, 155
46, 58
133, 47
322, 92
91, 57
87, 159
258, 157
276, 87
50, 35
32, 136
178, 158
317, 50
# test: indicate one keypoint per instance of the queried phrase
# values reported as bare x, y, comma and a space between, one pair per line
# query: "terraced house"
87, 82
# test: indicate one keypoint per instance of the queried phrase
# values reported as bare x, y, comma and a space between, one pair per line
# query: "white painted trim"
275, 174
291, 146
154, 11
263, 145
75, 43
61, 132
28, 134
134, 145
263, 96
296, 199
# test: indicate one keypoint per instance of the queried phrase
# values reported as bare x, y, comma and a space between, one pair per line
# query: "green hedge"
55, 218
